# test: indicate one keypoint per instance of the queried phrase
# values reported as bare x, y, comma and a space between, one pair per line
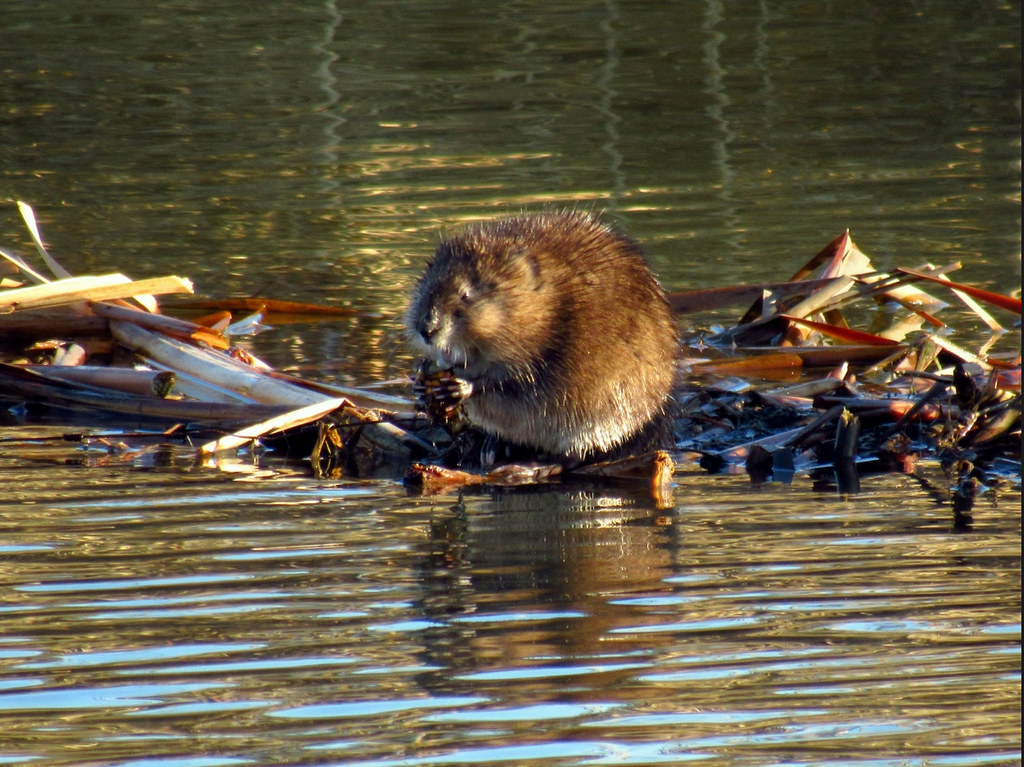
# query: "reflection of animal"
558, 332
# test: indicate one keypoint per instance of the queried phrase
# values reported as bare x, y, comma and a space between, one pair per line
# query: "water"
295, 622
183, 615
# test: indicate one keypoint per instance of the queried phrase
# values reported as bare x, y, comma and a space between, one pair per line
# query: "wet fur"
560, 327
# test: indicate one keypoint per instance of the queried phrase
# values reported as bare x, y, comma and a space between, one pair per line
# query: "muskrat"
557, 331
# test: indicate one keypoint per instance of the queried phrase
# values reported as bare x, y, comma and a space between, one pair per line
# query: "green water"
317, 151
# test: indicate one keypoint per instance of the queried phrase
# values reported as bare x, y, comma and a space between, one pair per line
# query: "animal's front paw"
439, 393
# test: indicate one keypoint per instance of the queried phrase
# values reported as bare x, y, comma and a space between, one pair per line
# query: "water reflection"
699, 627
570, 551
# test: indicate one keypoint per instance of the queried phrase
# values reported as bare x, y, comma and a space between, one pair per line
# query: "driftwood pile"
96, 351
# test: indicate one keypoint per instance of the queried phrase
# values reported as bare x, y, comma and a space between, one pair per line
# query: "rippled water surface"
158, 612
290, 621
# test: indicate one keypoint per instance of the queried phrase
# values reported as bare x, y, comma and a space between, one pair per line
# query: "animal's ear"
526, 258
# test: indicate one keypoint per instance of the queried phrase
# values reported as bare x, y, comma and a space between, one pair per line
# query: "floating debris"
96, 352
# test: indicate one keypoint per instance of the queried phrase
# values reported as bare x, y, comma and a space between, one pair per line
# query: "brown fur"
560, 327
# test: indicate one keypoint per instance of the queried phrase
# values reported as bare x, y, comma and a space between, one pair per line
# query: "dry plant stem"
212, 367
1004, 302
805, 388
737, 453
799, 435
360, 397
76, 289
161, 322
29, 217
197, 389
17, 381
938, 388
127, 380
689, 301
848, 335
959, 353
279, 423
23, 267
65, 321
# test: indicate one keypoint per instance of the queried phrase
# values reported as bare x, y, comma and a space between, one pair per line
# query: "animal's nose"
429, 325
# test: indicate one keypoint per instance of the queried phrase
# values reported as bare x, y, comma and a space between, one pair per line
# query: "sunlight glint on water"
193, 616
